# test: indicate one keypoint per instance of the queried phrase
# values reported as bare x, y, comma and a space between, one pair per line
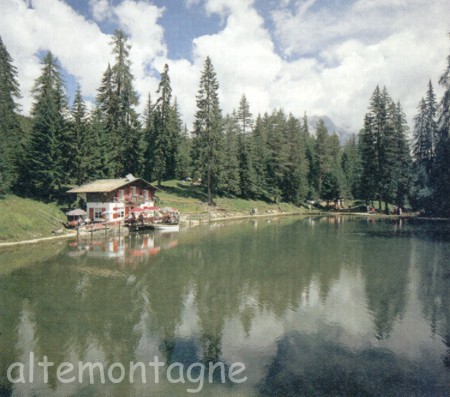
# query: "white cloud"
52, 25
397, 43
340, 54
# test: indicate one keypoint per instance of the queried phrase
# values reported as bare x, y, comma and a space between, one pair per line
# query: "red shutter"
91, 214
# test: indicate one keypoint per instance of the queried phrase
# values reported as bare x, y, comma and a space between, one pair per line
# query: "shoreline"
193, 223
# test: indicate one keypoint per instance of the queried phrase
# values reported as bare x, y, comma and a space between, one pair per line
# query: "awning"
77, 212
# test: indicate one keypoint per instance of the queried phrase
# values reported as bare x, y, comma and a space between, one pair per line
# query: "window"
121, 194
145, 194
97, 213
133, 190
122, 213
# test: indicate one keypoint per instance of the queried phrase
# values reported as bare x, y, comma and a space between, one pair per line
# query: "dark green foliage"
101, 152
384, 151
208, 141
117, 99
295, 186
425, 131
44, 161
231, 177
183, 160
260, 155
163, 133
10, 131
440, 178
351, 167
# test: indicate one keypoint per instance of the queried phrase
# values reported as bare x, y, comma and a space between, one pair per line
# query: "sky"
314, 56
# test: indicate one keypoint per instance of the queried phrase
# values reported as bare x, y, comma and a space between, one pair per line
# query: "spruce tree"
247, 174
44, 154
117, 100
441, 171
244, 116
260, 155
231, 178
278, 154
78, 159
295, 186
351, 167
384, 151
321, 154
101, 152
10, 134
208, 132
184, 160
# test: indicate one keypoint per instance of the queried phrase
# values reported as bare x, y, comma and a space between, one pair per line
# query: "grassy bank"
25, 219
190, 199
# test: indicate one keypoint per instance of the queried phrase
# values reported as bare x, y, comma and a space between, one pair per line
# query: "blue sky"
322, 57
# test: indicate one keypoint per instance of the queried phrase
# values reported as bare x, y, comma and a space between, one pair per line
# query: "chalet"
115, 199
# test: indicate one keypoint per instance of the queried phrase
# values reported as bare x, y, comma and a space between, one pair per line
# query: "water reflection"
327, 305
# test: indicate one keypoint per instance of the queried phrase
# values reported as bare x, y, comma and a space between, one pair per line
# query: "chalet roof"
108, 185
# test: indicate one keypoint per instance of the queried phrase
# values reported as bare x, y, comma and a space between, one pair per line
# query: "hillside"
24, 219
189, 199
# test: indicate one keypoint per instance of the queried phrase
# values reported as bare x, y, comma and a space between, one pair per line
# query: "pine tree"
260, 155
117, 99
78, 159
101, 150
184, 161
44, 154
321, 154
423, 144
425, 131
351, 167
278, 155
9, 122
441, 172
295, 186
384, 151
247, 174
244, 116
231, 178
403, 161
208, 134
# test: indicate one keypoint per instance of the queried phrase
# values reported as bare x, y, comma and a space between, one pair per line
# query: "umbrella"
77, 212
152, 208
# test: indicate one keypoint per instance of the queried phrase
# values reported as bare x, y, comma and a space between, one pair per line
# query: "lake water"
287, 307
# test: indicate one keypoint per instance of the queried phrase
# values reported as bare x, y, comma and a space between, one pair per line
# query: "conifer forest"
275, 156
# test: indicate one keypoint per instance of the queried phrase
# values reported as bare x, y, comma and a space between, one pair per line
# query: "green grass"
24, 219
192, 200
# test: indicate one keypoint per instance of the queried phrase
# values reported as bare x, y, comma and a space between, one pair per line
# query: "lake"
273, 307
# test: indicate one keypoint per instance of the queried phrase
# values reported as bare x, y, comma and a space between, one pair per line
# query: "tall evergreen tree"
441, 171
9, 122
384, 151
117, 99
295, 186
149, 138
260, 155
425, 131
208, 133
321, 154
278, 154
44, 154
78, 159
244, 116
247, 174
230, 176
351, 167
101, 151
184, 161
